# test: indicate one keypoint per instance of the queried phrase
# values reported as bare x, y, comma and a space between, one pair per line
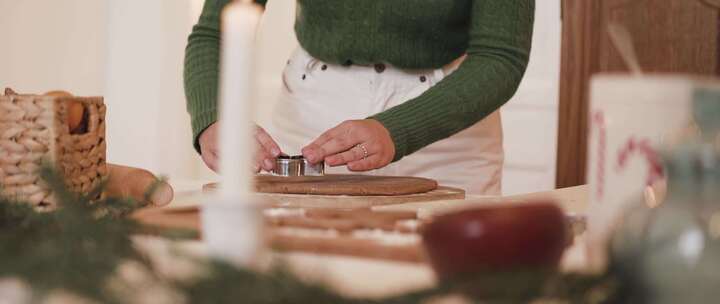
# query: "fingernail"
256, 168
275, 152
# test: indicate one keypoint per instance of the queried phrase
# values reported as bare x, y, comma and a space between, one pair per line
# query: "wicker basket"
33, 130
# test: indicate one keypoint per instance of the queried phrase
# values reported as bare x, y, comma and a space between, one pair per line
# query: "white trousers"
317, 96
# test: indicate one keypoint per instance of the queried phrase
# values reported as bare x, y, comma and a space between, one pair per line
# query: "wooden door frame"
581, 39
578, 48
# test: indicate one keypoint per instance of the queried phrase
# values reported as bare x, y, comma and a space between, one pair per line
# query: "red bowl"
499, 238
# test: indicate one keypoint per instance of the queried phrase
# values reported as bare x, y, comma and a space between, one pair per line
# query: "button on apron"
379, 68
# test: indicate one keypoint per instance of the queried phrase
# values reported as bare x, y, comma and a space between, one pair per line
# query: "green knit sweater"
412, 34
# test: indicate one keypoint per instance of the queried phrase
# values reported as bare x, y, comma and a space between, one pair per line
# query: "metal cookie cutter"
297, 166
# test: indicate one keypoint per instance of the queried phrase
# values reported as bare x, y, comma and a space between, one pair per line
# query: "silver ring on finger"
364, 150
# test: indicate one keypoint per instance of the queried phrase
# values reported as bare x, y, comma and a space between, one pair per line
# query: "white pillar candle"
231, 221
239, 22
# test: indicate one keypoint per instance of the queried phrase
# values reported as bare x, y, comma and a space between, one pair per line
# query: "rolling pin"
134, 183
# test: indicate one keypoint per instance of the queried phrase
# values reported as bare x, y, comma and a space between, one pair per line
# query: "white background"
131, 52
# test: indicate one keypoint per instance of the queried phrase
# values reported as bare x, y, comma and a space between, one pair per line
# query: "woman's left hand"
362, 145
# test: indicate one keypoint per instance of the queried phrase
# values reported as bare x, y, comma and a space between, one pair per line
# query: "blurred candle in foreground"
239, 22
231, 220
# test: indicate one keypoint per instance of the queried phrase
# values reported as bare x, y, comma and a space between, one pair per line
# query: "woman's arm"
497, 55
202, 60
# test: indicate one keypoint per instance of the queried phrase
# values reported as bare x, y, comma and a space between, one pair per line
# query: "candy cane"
645, 149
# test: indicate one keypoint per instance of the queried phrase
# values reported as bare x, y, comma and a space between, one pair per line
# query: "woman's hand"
362, 145
266, 149
209, 148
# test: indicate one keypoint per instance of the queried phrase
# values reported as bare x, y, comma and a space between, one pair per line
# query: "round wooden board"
336, 184
348, 191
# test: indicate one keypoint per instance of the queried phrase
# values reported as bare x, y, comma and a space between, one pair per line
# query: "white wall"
47, 45
530, 118
148, 126
131, 52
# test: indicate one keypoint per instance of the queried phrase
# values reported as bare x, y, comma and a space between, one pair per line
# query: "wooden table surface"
353, 276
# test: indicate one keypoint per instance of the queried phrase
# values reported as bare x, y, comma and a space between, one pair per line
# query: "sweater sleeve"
498, 51
201, 72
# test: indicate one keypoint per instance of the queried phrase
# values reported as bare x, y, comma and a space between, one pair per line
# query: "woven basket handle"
93, 117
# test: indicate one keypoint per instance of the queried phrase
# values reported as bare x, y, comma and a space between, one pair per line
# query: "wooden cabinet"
670, 36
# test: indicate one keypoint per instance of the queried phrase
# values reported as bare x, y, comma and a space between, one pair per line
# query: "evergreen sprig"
75, 248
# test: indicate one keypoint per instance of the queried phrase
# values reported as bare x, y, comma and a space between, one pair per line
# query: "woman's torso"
410, 34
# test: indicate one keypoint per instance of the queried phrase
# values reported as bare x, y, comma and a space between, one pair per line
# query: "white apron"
317, 96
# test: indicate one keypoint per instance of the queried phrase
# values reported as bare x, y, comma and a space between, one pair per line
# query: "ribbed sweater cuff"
398, 132
200, 122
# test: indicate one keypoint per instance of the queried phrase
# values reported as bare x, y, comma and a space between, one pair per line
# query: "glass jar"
670, 253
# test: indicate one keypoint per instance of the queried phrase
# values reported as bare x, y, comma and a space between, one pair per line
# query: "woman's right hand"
266, 149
